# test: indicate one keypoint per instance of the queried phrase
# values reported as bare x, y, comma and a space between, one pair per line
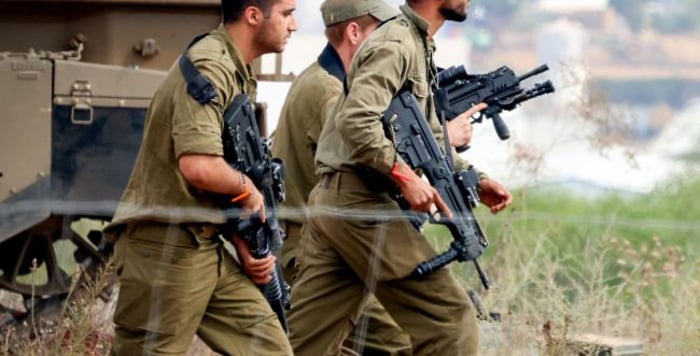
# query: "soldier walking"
357, 241
176, 279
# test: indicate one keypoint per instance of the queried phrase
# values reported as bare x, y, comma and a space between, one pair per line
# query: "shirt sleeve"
379, 76
197, 128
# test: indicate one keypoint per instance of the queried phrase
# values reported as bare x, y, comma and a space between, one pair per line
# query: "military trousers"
175, 282
375, 333
359, 242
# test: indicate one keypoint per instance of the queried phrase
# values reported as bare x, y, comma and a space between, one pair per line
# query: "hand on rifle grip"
419, 194
459, 129
258, 270
251, 202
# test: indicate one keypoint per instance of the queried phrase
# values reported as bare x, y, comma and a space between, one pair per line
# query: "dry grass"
81, 326
546, 296
647, 294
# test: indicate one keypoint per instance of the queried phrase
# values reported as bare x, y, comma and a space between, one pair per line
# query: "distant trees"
501, 8
683, 17
632, 11
663, 16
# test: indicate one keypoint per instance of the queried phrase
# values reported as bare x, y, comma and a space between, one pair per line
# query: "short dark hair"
231, 10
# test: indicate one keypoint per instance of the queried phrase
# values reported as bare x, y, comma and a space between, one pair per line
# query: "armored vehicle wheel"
39, 263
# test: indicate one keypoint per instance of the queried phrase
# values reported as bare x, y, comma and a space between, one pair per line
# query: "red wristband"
246, 193
400, 176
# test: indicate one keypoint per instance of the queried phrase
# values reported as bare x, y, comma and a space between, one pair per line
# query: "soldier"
311, 98
343, 258
176, 279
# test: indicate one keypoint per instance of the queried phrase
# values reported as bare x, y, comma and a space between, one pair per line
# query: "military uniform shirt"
177, 124
396, 55
310, 100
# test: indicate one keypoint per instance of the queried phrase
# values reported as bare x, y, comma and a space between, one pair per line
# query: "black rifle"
248, 152
499, 89
406, 125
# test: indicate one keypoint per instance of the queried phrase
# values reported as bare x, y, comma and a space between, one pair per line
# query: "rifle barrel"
538, 70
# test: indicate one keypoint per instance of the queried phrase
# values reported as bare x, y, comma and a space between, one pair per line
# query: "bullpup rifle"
500, 89
406, 125
246, 151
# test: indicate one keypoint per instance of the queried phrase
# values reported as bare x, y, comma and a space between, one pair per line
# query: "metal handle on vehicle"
81, 114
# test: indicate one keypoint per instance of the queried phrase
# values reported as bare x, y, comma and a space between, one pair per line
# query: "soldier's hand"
420, 195
259, 270
254, 203
459, 129
494, 195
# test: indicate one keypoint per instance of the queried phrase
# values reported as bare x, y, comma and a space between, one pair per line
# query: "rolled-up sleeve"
379, 76
197, 127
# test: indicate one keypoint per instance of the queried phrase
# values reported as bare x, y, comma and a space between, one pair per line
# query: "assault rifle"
499, 89
248, 152
406, 125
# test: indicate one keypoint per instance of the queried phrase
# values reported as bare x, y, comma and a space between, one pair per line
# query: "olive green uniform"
310, 100
176, 279
358, 241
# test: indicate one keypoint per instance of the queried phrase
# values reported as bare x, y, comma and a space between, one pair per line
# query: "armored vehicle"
76, 77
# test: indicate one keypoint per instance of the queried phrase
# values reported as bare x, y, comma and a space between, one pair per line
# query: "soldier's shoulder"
212, 51
394, 30
209, 46
314, 81
315, 74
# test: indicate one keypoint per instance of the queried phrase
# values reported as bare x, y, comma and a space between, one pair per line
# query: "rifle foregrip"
500, 126
435, 263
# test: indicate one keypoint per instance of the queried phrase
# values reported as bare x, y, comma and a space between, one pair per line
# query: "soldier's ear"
352, 32
253, 15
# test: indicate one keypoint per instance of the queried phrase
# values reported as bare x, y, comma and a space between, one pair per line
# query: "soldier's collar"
236, 56
412, 16
330, 61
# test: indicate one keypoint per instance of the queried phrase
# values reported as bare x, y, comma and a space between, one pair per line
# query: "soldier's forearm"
212, 173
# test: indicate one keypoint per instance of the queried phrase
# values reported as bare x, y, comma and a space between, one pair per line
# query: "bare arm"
213, 174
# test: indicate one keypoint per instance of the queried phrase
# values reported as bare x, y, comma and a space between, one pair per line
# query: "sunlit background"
602, 235
626, 79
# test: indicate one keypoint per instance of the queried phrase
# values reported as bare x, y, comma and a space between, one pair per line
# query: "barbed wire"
9, 211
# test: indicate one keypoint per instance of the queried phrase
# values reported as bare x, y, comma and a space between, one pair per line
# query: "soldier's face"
277, 26
455, 10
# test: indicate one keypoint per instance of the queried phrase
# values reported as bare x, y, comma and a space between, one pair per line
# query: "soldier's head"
270, 21
350, 22
455, 10
452, 10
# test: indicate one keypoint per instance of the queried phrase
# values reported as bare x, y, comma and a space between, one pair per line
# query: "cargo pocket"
157, 280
